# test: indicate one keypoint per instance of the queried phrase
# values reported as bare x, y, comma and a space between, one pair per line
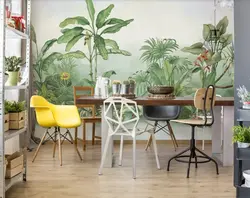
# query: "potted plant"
116, 87
131, 86
12, 67
244, 96
125, 87
241, 136
17, 114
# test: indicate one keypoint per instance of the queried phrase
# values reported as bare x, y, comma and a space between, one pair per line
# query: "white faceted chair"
119, 125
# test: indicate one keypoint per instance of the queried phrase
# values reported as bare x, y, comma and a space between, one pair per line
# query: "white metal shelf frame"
11, 33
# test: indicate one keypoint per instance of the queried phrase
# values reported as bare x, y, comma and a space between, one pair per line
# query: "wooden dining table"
222, 147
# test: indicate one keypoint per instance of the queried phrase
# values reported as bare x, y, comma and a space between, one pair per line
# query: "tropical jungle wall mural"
90, 38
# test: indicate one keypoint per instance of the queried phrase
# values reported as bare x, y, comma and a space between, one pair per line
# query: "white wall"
179, 19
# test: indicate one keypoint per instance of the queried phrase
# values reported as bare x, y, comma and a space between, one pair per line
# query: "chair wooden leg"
38, 148
54, 147
149, 142
172, 134
121, 151
60, 147
84, 136
76, 135
75, 146
93, 134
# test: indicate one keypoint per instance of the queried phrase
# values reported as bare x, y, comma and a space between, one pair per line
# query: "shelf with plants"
14, 75
14, 119
241, 139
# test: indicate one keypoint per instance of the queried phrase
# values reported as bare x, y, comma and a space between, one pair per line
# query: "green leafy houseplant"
12, 67
93, 30
13, 63
15, 107
241, 136
215, 51
7, 106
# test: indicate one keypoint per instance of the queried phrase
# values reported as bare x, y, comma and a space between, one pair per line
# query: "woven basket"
161, 89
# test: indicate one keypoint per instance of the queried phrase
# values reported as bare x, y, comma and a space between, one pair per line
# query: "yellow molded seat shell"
44, 115
66, 116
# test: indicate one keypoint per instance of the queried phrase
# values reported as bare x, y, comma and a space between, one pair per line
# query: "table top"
145, 101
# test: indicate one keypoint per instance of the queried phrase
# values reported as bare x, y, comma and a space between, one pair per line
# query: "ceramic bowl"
246, 175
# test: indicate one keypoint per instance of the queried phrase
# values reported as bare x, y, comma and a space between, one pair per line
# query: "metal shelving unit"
7, 32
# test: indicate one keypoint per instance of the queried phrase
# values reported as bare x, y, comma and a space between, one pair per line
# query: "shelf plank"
12, 133
12, 33
15, 87
10, 182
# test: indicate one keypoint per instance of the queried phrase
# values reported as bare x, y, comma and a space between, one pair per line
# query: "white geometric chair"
118, 125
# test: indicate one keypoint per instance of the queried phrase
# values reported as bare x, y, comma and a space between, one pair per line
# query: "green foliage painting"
55, 73
163, 67
215, 51
93, 32
90, 39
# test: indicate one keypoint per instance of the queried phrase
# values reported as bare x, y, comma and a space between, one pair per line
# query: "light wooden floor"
46, 179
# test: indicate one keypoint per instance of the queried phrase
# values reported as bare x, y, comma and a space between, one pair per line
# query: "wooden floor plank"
46, 179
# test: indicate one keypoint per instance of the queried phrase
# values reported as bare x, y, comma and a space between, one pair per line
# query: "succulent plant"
131, 81
13, 63
116, 82
126, 82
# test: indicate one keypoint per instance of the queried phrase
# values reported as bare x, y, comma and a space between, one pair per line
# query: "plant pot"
116, 88
6, 76
125, 89
243, 145
12, 79
246, 175
132, 89
6, 122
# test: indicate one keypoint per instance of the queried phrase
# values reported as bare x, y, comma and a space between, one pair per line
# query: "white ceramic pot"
246, 175
243, 145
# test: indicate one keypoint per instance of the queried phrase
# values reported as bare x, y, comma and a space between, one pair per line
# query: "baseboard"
181, 142
207, 142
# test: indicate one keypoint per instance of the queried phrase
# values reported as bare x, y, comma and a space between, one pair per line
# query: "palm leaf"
156, 49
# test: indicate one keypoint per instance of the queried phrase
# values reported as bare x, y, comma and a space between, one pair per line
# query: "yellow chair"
59, 116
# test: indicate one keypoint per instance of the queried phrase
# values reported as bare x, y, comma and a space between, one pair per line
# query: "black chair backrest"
161, 113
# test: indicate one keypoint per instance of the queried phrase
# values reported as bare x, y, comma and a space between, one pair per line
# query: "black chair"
204, 100
162, 114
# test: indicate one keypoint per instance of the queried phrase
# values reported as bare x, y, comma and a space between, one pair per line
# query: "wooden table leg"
228, 123
104, 131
